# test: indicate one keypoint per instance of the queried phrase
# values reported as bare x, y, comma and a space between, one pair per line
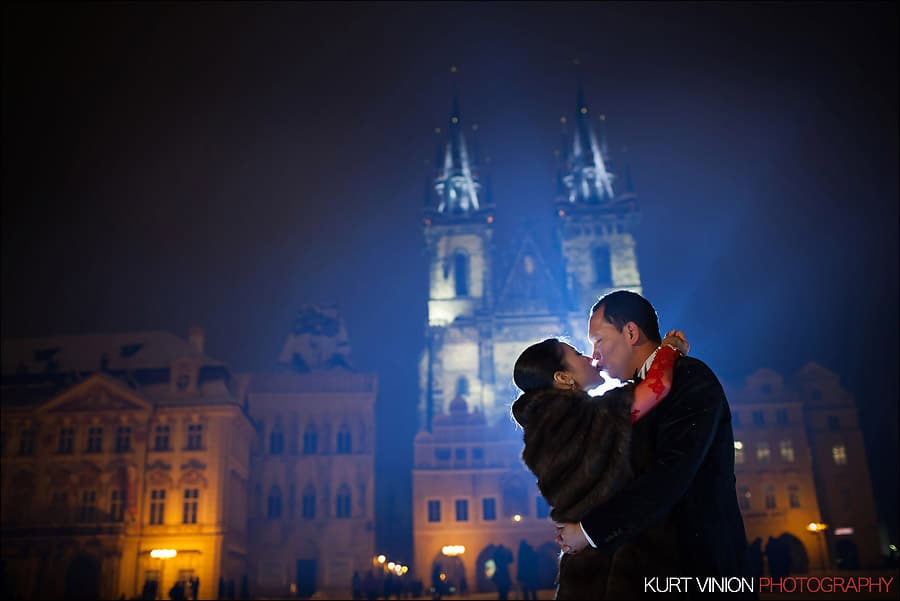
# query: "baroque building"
124, 467
133, 461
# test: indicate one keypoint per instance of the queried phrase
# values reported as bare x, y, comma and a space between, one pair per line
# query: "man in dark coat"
688, 488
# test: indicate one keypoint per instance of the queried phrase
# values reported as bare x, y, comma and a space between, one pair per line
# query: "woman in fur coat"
578, 448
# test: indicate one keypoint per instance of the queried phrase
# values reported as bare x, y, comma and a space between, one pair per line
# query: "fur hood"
576, 445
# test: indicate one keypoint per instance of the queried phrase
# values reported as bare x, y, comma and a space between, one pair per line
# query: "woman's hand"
676, 338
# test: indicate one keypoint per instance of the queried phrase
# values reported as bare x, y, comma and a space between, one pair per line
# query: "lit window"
787, 450
839, 454
763, 454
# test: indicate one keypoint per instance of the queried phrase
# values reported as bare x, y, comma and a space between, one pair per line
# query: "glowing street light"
382, 559
819, 529
453, 550
517, 518
163, 553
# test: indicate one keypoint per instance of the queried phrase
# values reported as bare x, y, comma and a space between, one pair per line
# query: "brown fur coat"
578, 447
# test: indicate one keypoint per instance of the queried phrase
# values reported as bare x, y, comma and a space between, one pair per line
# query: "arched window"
276, 440
343, 502
344, 441
310, 440
309, 502
602, 266
461, 273
274, 507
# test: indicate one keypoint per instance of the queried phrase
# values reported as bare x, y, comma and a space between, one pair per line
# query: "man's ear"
632, 332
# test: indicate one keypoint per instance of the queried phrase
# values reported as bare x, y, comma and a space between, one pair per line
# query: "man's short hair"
622, 306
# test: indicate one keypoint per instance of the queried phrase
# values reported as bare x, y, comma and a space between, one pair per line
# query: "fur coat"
578, 447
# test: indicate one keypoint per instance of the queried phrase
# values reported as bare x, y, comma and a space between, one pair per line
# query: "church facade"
798, 446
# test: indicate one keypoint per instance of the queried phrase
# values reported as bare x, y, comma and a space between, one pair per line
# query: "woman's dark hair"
536, 365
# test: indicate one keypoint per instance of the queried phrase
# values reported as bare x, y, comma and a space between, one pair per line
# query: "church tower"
458, 229
595, 219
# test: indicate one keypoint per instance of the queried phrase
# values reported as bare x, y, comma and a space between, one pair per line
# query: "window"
461, 273
434, 511
781, 417
66, 440
839, 454
309, 503
787, 450
462, 510
95, 439
834, 423
276, 441
542, 508
488, 509
770, 496
763, 454
766, 389
744, 498
273, 511
516, 500
794, 495
759, 418
161, 438
116, 505
88, 510
442, 454
459, 454
195, 437
344, 441
123, 439
189, 515
602, 266
157, 506
477, 454
310, 440
183, 380
738, 452
343, 502
26, 443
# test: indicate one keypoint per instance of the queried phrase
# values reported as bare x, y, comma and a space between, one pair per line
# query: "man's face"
612, 350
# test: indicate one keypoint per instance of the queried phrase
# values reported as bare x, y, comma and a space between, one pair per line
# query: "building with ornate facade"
134, 461
471, 493
125, 467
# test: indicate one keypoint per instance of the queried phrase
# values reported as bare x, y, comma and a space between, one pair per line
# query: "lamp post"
818, 529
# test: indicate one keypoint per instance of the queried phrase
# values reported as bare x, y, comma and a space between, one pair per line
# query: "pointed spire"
457, 181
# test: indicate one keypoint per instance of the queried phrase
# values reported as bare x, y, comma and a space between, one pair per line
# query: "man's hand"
570, 537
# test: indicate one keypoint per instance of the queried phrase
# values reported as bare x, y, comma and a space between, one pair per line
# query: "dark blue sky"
219, 165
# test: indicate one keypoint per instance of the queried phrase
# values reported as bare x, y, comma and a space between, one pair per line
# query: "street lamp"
818, 529
162, 555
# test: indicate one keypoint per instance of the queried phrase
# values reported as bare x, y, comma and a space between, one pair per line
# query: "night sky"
169, 165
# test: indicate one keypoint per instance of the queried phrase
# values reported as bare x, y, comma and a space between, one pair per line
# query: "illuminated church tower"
458, 226
596, 219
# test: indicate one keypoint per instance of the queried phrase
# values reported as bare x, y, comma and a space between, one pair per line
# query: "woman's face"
581, 369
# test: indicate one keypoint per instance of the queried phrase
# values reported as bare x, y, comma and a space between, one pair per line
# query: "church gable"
529, 287
97, 394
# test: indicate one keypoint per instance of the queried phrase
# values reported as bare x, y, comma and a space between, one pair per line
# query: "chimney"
196, 339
